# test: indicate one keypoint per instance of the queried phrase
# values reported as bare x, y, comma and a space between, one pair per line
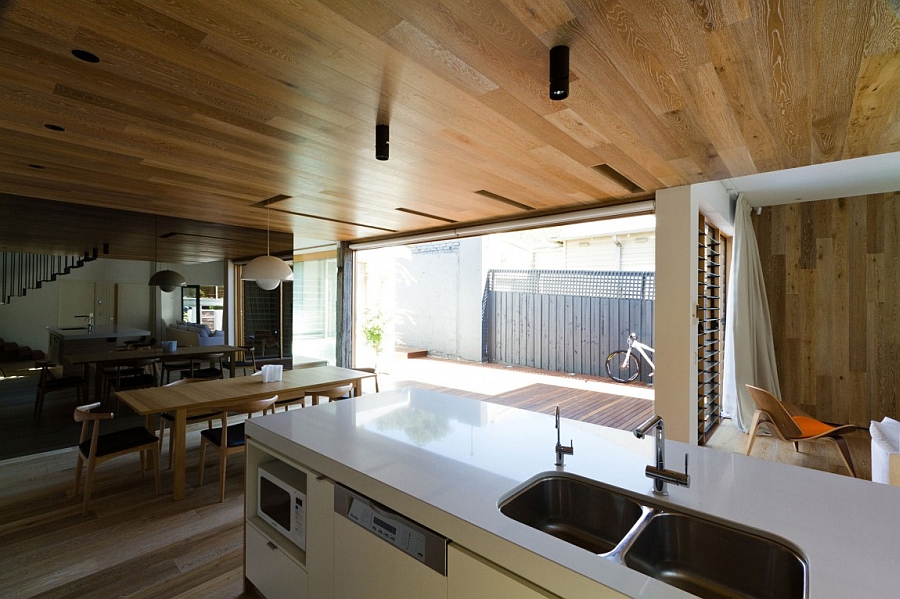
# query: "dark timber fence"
565, 320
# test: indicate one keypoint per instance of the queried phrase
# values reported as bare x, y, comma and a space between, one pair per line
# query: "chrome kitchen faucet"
659, 474
561, 449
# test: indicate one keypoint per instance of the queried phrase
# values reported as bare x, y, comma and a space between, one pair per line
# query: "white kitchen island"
446, 462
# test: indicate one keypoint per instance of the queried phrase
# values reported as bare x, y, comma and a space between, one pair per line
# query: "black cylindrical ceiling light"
559, 72
382, 142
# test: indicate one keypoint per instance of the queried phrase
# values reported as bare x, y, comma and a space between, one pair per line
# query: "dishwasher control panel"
390, 529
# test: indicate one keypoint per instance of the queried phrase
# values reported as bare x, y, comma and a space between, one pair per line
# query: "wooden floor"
606, 409
133, 543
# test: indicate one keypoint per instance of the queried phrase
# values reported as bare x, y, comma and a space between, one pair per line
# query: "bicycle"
623, 366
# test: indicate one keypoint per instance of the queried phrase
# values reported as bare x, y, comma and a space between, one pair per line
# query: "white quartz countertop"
448, 461
100, 331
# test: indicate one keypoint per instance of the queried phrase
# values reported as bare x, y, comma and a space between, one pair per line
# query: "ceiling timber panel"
202, 109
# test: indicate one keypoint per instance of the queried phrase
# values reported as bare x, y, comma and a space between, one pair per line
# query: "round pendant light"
268, 271
167, 280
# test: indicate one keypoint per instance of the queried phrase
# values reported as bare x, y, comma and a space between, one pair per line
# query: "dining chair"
167, 419
791, 424
372, 370
169, 367
48, 383
266, 339
96, 448
247, 351
330, 393
229, 439
212, 372
139, 373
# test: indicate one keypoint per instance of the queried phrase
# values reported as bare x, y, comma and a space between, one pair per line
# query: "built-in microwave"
282, 500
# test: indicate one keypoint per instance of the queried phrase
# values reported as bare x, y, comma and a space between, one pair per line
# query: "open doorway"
437, 296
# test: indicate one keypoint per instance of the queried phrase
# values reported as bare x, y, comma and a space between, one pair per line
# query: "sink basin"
712, 560
575, 510
707, 558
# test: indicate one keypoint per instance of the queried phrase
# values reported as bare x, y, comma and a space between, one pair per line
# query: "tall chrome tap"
659, 474
562, 450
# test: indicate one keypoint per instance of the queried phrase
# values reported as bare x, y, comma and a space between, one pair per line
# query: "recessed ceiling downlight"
85, 55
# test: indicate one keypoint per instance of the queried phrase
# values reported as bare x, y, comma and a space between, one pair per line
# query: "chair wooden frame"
139, 373
207, 437
330, 393
207, 373
784, 420
168, 420
143, 441
373, 371
243, 363
49, 383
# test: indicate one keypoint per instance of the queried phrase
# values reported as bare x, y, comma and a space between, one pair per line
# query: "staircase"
21, 272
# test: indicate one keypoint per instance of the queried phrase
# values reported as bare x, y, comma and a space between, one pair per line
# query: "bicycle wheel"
621, 369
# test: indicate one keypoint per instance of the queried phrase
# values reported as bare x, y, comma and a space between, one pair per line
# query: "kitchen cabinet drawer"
271, 571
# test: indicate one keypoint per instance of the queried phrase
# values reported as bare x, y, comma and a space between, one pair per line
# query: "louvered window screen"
710, 329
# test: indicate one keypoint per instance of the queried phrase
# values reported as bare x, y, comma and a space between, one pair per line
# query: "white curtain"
749, 350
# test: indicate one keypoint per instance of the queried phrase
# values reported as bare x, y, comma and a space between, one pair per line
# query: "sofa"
193, 335
885, 451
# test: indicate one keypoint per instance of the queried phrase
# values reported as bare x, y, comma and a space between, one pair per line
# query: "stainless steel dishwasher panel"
414, 566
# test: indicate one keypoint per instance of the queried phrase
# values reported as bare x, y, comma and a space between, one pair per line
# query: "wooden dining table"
179, 400
104, 359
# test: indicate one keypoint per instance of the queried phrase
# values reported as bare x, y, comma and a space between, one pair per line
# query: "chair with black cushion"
169, 367
96, 448
207, 373
247, 351
229, 439
140, 373
49, 383
167, 420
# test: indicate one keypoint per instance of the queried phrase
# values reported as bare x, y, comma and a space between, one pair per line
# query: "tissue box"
271, 373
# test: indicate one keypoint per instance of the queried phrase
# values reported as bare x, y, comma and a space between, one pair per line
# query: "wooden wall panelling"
832, 275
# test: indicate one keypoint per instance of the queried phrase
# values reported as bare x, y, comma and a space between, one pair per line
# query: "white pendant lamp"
166, 280
268, 271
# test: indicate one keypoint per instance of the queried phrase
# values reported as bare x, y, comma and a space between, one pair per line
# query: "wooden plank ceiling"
205, 109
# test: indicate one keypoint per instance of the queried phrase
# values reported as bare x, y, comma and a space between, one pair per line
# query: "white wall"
675, 326
441, 299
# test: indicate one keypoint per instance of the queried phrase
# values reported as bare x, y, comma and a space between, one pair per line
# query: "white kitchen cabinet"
320, 536
273, 572
368, 568
277, 567
472, 577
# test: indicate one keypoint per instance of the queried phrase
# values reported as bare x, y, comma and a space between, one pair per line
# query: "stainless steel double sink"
703, 556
